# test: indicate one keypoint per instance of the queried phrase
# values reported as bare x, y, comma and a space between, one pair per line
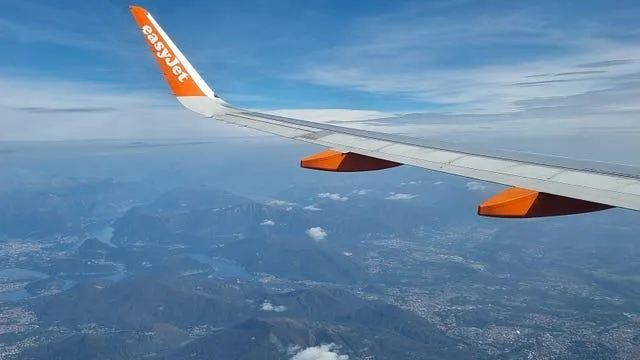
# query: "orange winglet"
523, 203
171, 61
331, 160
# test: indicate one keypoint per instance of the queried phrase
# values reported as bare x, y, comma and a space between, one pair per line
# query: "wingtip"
139, 14
182, 78
137, 8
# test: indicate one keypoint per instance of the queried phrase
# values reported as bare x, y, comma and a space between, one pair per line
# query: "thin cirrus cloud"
422, 55
535, 71
37, 22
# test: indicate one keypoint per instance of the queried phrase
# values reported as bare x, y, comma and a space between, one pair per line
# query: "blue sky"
251, 50
485, 69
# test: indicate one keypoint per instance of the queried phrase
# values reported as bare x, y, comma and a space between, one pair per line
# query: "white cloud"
268, 306
317, 233
293, 349
413, 182
438, 183
334, 197
475, 186
312, 207
346, 253
280, 203
267, 223
360, 192
322, 352
400, 196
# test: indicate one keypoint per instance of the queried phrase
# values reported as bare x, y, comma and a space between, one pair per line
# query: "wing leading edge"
540, 185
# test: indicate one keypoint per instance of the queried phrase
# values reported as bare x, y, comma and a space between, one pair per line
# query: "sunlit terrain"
152, 250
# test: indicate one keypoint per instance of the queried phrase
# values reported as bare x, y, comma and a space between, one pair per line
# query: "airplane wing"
540, 185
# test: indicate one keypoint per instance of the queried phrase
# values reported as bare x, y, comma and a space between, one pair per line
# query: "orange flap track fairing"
523, 203
331, 160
